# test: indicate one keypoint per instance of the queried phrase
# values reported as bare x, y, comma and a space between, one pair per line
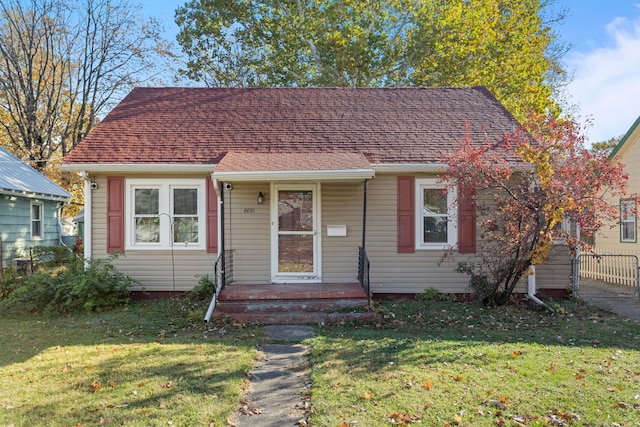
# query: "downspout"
86, 239
220, 195
531, 288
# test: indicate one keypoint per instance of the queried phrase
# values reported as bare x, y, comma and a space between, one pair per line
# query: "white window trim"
165, 213
631, 219
41, 207
452, 224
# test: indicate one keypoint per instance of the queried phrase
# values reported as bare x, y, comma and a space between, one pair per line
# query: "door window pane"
295, 253
295, 210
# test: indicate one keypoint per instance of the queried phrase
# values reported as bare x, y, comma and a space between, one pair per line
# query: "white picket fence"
619, 266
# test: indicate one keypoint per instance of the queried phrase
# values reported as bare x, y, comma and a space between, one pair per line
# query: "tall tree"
508, 46
607, 147
529, 185
62, 63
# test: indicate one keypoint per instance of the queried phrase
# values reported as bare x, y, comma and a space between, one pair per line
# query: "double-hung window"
628, 221
36, 221
164, 214
436, 217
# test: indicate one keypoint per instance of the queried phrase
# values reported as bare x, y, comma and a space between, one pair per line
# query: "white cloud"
606, 86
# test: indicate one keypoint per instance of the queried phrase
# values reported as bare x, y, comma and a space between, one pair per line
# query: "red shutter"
406, 212
466, 221
212, 218
115, 214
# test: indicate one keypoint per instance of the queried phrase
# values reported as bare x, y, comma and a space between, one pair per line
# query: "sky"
604, 60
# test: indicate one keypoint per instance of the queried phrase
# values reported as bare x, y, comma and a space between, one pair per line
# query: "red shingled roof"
201, 125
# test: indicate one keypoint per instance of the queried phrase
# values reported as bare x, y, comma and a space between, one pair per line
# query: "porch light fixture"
260, 198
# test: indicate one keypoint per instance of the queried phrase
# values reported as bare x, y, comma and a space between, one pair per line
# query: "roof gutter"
32, 195
409, 167
298, 175
162, 168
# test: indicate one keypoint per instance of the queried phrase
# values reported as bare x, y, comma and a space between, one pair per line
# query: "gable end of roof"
625, 138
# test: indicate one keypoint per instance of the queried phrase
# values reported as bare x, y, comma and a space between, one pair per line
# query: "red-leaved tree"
525, 186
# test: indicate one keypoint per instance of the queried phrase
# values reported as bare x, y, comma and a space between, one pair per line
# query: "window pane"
435, 215
185, 201
146, 201
36, 229
185, 229
295, 254
295, 210
147, 230
628, 231
435, 229
35, 212
435, 201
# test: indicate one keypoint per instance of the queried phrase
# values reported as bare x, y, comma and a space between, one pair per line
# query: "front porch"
303, 303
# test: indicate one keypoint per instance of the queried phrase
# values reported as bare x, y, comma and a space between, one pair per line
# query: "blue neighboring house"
30, 207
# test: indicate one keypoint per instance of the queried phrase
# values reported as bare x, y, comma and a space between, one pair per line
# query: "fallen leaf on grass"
428, 385
368, 395
622, 405
402, 418
168, 385
95, 386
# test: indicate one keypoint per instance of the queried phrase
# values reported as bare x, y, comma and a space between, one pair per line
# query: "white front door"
295, 237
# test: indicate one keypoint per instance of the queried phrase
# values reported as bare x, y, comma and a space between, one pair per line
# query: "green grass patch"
444, 363
150, 363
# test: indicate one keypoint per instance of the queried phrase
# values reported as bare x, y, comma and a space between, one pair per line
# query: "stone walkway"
279, 382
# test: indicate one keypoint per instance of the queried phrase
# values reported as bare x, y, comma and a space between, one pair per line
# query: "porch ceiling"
293, 166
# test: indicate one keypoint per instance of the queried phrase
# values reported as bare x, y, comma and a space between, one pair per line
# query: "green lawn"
152, 364
424, 363
439, 363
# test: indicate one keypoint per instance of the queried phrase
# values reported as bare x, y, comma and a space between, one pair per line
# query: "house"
619, 240
292, 185
30, 206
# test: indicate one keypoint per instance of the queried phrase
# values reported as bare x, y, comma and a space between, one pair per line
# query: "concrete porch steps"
309, 303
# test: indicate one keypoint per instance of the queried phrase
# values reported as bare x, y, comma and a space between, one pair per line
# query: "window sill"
177, 247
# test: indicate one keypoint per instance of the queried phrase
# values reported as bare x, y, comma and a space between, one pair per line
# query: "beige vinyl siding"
342, 204
608, 238
248, 233
153, 269
393, 272
248, 243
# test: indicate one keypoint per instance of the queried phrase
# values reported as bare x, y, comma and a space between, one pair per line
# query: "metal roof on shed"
19, 178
